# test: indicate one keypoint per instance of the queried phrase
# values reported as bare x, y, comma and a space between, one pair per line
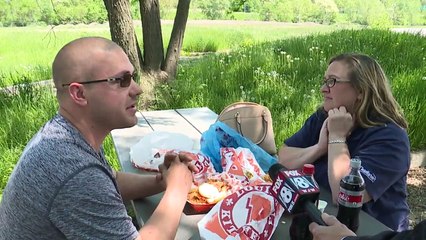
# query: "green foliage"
276, 10
380, 13
377, 16
404, 12
376, 13
18, 13
215, 9
325, 11
29, 12
299, 11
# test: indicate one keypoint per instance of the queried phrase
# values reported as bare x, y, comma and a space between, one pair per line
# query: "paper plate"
149, 152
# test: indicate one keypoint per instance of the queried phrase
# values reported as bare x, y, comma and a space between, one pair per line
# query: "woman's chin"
327, 107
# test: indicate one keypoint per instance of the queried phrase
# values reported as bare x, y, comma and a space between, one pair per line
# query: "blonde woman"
358, 118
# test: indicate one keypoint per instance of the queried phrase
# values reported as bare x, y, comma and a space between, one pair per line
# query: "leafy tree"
54, 12
19, 13
290, 10
280, 11
405, 12
351, 10
237, 5
215, 9
79, 11
325, 11
253, 5
376, 14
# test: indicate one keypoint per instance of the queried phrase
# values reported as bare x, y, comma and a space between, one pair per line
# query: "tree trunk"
155, 68
176, 39
122, 30
153, 47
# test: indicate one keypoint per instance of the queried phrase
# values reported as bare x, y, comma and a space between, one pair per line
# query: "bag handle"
264, 123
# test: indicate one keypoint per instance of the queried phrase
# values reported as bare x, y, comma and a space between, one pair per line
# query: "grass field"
281, 70
27, 53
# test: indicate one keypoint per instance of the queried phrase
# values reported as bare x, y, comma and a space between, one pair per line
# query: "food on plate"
267, 178
209, 192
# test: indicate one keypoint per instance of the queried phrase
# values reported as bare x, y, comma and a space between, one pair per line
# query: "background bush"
377, 13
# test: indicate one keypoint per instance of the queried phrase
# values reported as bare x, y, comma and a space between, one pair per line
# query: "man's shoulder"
54, 153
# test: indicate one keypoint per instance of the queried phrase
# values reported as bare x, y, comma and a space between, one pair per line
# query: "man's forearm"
134, 186
167, 215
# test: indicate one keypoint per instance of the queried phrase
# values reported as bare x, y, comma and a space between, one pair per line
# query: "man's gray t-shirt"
61, 188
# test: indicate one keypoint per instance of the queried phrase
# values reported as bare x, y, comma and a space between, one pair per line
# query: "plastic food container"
198, 208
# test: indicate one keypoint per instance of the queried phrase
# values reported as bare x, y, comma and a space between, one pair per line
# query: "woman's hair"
377, 104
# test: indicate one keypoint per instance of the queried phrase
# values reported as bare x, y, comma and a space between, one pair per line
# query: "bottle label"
350, 198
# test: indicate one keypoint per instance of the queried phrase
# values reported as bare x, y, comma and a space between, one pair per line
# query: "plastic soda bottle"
350, 198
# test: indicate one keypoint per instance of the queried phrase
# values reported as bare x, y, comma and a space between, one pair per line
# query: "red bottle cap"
308, 169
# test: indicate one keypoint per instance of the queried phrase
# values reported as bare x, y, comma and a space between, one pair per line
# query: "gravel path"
417, 194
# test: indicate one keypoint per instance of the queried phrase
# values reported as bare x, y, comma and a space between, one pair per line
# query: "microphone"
296, 191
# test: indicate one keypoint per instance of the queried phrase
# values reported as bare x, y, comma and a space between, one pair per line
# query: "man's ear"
77, 94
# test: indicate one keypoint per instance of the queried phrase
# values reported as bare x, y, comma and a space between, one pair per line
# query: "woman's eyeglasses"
124, 81
332, 81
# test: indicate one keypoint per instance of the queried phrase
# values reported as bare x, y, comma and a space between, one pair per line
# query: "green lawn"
26, 53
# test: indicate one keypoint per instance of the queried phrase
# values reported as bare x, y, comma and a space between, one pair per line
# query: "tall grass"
30, 50
285, 75
22, 115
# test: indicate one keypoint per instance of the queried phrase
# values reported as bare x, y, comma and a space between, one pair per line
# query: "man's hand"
169, 159
334, 231
340, 123
178, 174
184, 157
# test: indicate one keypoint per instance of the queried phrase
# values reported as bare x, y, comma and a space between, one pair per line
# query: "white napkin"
149, 152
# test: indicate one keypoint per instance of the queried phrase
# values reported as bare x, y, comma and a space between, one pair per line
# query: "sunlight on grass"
31, 50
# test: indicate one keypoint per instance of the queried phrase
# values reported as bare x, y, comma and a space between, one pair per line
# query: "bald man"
62, 186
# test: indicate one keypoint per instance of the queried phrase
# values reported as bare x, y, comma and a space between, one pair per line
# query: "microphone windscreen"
274, 169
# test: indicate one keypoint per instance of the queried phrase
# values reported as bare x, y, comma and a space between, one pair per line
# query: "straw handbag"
252, 121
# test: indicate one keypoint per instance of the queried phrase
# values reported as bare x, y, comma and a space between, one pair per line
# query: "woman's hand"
323, 139
340, 123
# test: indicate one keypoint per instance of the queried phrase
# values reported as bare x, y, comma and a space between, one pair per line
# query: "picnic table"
193, 122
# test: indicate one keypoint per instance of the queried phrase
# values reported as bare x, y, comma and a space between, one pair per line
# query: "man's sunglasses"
124, 81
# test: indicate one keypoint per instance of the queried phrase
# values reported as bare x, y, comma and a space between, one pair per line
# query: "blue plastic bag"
221, 135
